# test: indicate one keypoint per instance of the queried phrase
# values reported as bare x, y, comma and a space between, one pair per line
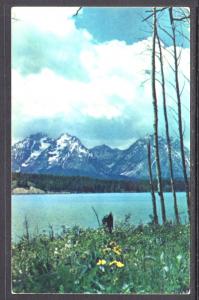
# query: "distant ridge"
66, 155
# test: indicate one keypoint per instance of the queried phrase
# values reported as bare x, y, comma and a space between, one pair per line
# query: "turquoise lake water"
76, 209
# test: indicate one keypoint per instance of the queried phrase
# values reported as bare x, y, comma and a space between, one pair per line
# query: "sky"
90, 75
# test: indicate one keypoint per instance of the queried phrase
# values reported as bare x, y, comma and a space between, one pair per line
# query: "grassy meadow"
144, 259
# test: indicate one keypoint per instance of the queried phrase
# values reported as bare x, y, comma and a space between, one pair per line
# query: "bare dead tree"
98, 221
178, 96
155, 215
26, 227
182, 16
77, 12
167, 129
155, 125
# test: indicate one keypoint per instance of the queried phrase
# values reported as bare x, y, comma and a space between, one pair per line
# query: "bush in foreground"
146, 259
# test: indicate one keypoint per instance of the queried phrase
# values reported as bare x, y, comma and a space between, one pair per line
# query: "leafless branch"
165, 31
182, 34
77, 12
186, 77
182, 89
96, 215
182, 18
152, 14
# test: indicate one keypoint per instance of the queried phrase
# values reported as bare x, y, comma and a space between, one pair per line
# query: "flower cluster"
102, 262
117, 263
115, 249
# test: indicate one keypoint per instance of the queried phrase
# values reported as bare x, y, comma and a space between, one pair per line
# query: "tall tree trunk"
155, 125
167, 131
179, 109
155, 215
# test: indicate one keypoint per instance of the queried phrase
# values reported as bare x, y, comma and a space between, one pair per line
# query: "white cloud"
111, 76
118, 84
56, 20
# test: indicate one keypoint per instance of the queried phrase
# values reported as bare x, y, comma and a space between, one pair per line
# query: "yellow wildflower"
118, 264
117, 250
113, 262
107, 249
101, 262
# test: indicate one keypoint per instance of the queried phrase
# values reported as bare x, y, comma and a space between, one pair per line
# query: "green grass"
146, 259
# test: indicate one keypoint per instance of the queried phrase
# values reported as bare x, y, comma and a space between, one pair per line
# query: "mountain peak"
63, 140
102, 147
66, 155
65, 136
67, 140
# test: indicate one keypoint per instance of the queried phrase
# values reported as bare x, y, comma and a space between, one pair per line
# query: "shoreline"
72, 193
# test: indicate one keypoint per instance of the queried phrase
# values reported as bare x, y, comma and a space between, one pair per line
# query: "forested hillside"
77, 184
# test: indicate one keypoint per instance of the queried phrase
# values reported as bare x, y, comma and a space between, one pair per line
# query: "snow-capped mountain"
106, 154
133, 162
66, 155
63, 156
25, 153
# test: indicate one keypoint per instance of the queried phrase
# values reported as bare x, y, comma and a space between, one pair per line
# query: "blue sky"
90, 75
125, 24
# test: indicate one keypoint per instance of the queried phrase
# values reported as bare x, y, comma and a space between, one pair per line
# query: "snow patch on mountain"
66, 155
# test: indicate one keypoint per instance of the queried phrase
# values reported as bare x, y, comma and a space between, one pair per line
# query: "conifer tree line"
157, 57
80, 184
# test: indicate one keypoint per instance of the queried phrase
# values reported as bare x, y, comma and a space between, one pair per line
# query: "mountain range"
66, 155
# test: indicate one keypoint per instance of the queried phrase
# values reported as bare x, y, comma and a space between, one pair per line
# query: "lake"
76, 209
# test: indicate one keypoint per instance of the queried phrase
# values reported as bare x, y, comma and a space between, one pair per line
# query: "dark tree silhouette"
167, 130
178, 96
155, 215
183, 16
107, 221
155, 125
